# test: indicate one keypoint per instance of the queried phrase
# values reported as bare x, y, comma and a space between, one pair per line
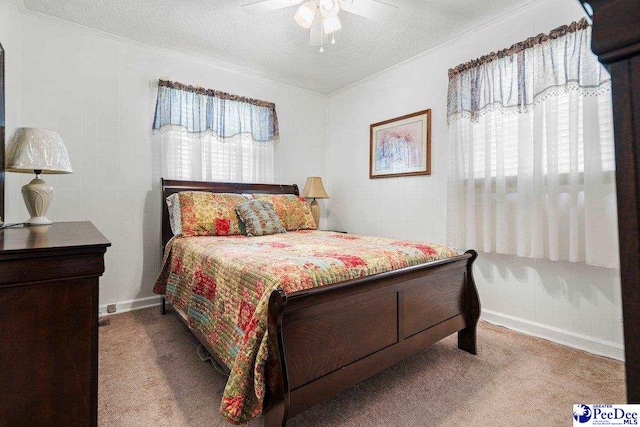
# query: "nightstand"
49, 324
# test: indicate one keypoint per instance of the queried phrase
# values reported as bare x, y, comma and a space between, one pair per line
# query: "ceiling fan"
321, 16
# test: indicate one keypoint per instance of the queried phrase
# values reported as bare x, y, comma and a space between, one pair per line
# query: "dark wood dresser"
616, 41
49, 324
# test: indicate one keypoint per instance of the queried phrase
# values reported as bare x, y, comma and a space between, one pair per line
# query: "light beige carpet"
150, 375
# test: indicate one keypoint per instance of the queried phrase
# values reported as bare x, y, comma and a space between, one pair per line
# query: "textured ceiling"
273, 43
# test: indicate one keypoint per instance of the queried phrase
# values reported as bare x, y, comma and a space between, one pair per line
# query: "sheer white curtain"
207, 158
536, 180
208, 135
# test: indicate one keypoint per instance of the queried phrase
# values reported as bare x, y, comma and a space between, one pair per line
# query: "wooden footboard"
325, 340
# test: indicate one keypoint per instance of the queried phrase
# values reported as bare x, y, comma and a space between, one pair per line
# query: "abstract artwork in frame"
401, 146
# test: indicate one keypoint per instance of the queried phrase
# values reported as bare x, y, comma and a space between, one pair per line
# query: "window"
531, 156
499, 133
210, 159
207, 135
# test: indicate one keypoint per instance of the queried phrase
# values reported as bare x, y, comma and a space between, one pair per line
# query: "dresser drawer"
26, 270
46, 341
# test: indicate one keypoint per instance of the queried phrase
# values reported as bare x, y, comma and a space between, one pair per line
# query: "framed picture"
401, 146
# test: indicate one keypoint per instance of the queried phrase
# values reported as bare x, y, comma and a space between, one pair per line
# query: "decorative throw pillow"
259, 218
209, 214
175, 219
294, 211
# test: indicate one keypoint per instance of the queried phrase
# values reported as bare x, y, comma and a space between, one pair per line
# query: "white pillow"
175, 217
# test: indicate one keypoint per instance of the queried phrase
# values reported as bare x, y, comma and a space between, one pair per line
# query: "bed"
326, 339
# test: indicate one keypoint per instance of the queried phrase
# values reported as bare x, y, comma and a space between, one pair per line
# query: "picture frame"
401, 146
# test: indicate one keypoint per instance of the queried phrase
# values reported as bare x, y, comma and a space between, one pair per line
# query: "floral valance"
197, 112
518, 77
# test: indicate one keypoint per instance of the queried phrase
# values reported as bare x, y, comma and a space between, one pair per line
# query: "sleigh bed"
329, 338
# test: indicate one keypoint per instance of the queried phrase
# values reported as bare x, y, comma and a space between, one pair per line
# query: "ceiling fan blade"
265, 6
372, 9
317, 37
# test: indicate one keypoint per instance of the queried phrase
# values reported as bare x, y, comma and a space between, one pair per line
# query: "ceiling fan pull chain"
321, 34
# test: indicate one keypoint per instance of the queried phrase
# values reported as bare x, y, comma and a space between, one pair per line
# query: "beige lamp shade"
32, 149
37, 151
313, 188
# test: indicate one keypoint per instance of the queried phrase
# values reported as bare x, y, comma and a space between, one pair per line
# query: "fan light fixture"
320, 17
329, 8
305, 15
329, 20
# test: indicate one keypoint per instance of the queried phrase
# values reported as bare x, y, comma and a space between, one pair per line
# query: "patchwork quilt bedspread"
223, 285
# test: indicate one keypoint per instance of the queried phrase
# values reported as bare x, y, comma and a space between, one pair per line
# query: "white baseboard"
130, 305
557, 335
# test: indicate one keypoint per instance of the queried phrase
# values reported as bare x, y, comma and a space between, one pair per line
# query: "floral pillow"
209, 214
294, 212
259, 218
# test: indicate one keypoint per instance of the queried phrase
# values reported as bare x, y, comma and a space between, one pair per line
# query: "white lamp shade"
331, 24
33, 149
305, 14
314, 189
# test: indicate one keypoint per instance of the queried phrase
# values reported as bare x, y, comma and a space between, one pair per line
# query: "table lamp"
37, 151
313, 189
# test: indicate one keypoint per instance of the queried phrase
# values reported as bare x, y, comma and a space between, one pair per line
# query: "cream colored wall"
94, 89
570, 303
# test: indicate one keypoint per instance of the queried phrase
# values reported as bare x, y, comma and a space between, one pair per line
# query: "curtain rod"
519, 47
215, 93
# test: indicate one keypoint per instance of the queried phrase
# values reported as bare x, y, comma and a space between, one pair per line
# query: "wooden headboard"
170, 187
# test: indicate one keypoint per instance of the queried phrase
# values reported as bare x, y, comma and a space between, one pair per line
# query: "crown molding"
483, 25
192, 56
277, 80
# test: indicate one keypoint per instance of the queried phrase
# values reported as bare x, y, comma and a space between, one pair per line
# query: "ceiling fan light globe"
331, 25
325, 4
329, 8
305, 14
345, 4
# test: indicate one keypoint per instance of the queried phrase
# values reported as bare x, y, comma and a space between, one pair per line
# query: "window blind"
493, 135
